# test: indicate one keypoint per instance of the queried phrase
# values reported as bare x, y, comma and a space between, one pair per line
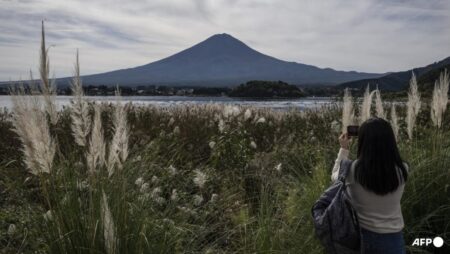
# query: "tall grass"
32, 127
394, 121
413, 105
81, 121
440, 98
379, 104
366, 105
348, 113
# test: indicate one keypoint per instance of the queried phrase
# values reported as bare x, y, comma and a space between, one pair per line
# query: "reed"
348, 113
95, 156
109, 233
440, 98
30, 124
413, 105
366, 105
81, 121
118, 148
379, 104
394, 121
48, 87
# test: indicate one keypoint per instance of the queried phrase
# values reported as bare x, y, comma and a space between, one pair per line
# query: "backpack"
335, 220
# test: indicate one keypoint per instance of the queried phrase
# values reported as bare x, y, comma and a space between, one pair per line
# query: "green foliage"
266, 89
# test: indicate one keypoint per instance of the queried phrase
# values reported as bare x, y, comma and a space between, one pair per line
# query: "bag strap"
344, 169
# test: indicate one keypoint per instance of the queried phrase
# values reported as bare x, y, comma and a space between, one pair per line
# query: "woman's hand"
344, 141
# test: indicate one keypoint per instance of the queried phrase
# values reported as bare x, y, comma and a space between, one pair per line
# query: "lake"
169, 101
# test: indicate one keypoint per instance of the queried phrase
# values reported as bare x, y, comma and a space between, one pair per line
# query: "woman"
375, 185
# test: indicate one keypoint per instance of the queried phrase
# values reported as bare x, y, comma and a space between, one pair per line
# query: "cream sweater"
381, 214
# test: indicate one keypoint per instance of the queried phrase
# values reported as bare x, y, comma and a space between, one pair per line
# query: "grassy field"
201, 179
115, 178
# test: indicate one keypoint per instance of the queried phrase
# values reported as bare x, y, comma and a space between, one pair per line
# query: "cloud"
365, 35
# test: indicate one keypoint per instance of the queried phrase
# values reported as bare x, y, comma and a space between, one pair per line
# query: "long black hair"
378, 158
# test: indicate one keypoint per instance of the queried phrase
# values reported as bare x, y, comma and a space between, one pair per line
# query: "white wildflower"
200, 178
138, 158
48, 216
172, 170
212, 144
144, 187
139, 181
108, 226
247, 114
253, 145
198, 200
176, 130
261, 120
159, 200
156, 191
156, 195
12, 229
214, 198
174, 195
335, 127
278, 167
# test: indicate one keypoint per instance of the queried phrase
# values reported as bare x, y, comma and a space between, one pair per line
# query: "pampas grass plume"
108, 226
348, 112
30, 123
48, 88
444, 81
440, 99
96, 154
366, 105
118, 150
81, 121
413, 105
394, 121
379, 104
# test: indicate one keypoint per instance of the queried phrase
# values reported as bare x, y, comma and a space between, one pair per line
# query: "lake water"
168, 101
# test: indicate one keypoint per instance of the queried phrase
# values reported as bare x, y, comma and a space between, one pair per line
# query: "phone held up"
352, 130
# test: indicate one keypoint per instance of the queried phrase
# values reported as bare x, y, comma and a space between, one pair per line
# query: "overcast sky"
361, 35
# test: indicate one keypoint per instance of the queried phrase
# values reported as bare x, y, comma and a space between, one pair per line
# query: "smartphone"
352, 130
